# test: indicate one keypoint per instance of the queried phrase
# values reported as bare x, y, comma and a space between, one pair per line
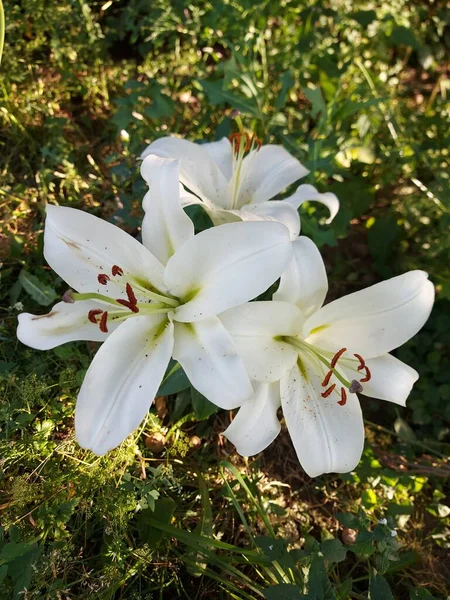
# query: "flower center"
242, 143
341, 385
147, 301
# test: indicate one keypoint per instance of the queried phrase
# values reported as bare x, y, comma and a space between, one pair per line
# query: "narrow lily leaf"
40, 292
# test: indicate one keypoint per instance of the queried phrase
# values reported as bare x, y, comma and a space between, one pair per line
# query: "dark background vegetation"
358, 92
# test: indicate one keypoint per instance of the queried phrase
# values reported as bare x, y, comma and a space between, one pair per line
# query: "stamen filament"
306, 347
154, 296
95, 296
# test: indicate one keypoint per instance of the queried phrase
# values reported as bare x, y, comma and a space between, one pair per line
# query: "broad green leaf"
217, 95
379, 588
317, 101
174, 381
364, 17
41, 293
319, 586
287, 81
203, 408
275, 550
162, 513
12, 550
333, 551
402, 36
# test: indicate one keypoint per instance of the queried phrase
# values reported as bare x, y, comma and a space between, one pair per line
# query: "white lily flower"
151, 301
312, 359
236, 180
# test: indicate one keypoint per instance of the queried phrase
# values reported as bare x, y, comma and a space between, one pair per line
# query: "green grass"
359, 93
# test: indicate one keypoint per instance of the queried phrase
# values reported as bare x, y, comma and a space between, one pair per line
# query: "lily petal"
304, 282
376, 320
278, 211
226, 266
198, 170
256, 424
166, 227
122, 381
308, 193
267, 172
79, 247
255, 328
64, 323
328, 438
391, 380
222, 154
206, 352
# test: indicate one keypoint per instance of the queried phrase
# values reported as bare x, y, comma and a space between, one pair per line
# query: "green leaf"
343, 590
283, 591
41, 293
333, 551
348, 520
402, 36
364, 17
317, 101
6, 367
420, 594
379, 588
217, 95
174, 381
275, 550
12, 550
163, 511
287, 81
363, 546
319, 586
162, 107
203, 408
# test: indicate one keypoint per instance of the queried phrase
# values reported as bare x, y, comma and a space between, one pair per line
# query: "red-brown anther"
337, 356
103, 278
103, 320
116, 271
93, 314
362, 362
326, 381
129, 305
256, 141
367, 377
329, 391
343, 399
238, 137
131, 297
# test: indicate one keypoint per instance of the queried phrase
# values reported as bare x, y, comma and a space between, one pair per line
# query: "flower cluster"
187, 297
